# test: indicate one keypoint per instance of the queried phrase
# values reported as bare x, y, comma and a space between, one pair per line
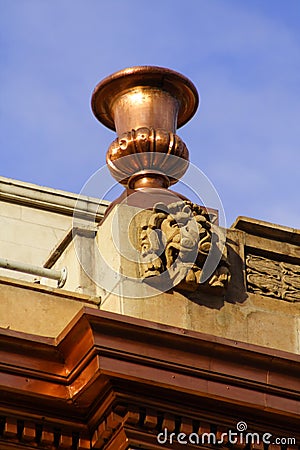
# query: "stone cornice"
14, 191
267, 230
37, 289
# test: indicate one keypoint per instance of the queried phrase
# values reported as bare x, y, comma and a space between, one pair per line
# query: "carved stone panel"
176, 241
273, 278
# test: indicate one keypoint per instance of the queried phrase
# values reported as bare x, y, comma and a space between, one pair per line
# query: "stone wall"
33, 219
243, 313
35, 309
260, 305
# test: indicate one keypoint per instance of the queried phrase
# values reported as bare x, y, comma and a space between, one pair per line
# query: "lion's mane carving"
178, 239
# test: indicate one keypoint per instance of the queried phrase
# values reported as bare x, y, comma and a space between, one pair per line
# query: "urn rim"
176, 84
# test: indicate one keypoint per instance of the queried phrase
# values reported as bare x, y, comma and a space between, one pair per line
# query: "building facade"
104, 357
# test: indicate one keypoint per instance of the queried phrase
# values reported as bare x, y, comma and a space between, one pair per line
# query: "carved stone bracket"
176, 240
273, 278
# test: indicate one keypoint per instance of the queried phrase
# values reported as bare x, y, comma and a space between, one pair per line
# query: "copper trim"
148, 178
104, 360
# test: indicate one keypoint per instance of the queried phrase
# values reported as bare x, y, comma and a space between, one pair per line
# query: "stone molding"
13, 191
261, 228
37, 288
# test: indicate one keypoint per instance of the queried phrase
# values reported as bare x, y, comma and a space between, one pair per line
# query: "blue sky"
243, 57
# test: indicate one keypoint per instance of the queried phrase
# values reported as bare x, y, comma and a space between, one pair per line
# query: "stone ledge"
32, 308
14, 191
42, 289
267, 229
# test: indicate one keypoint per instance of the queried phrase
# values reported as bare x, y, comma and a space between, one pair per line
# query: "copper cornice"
109, 369
94, 334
